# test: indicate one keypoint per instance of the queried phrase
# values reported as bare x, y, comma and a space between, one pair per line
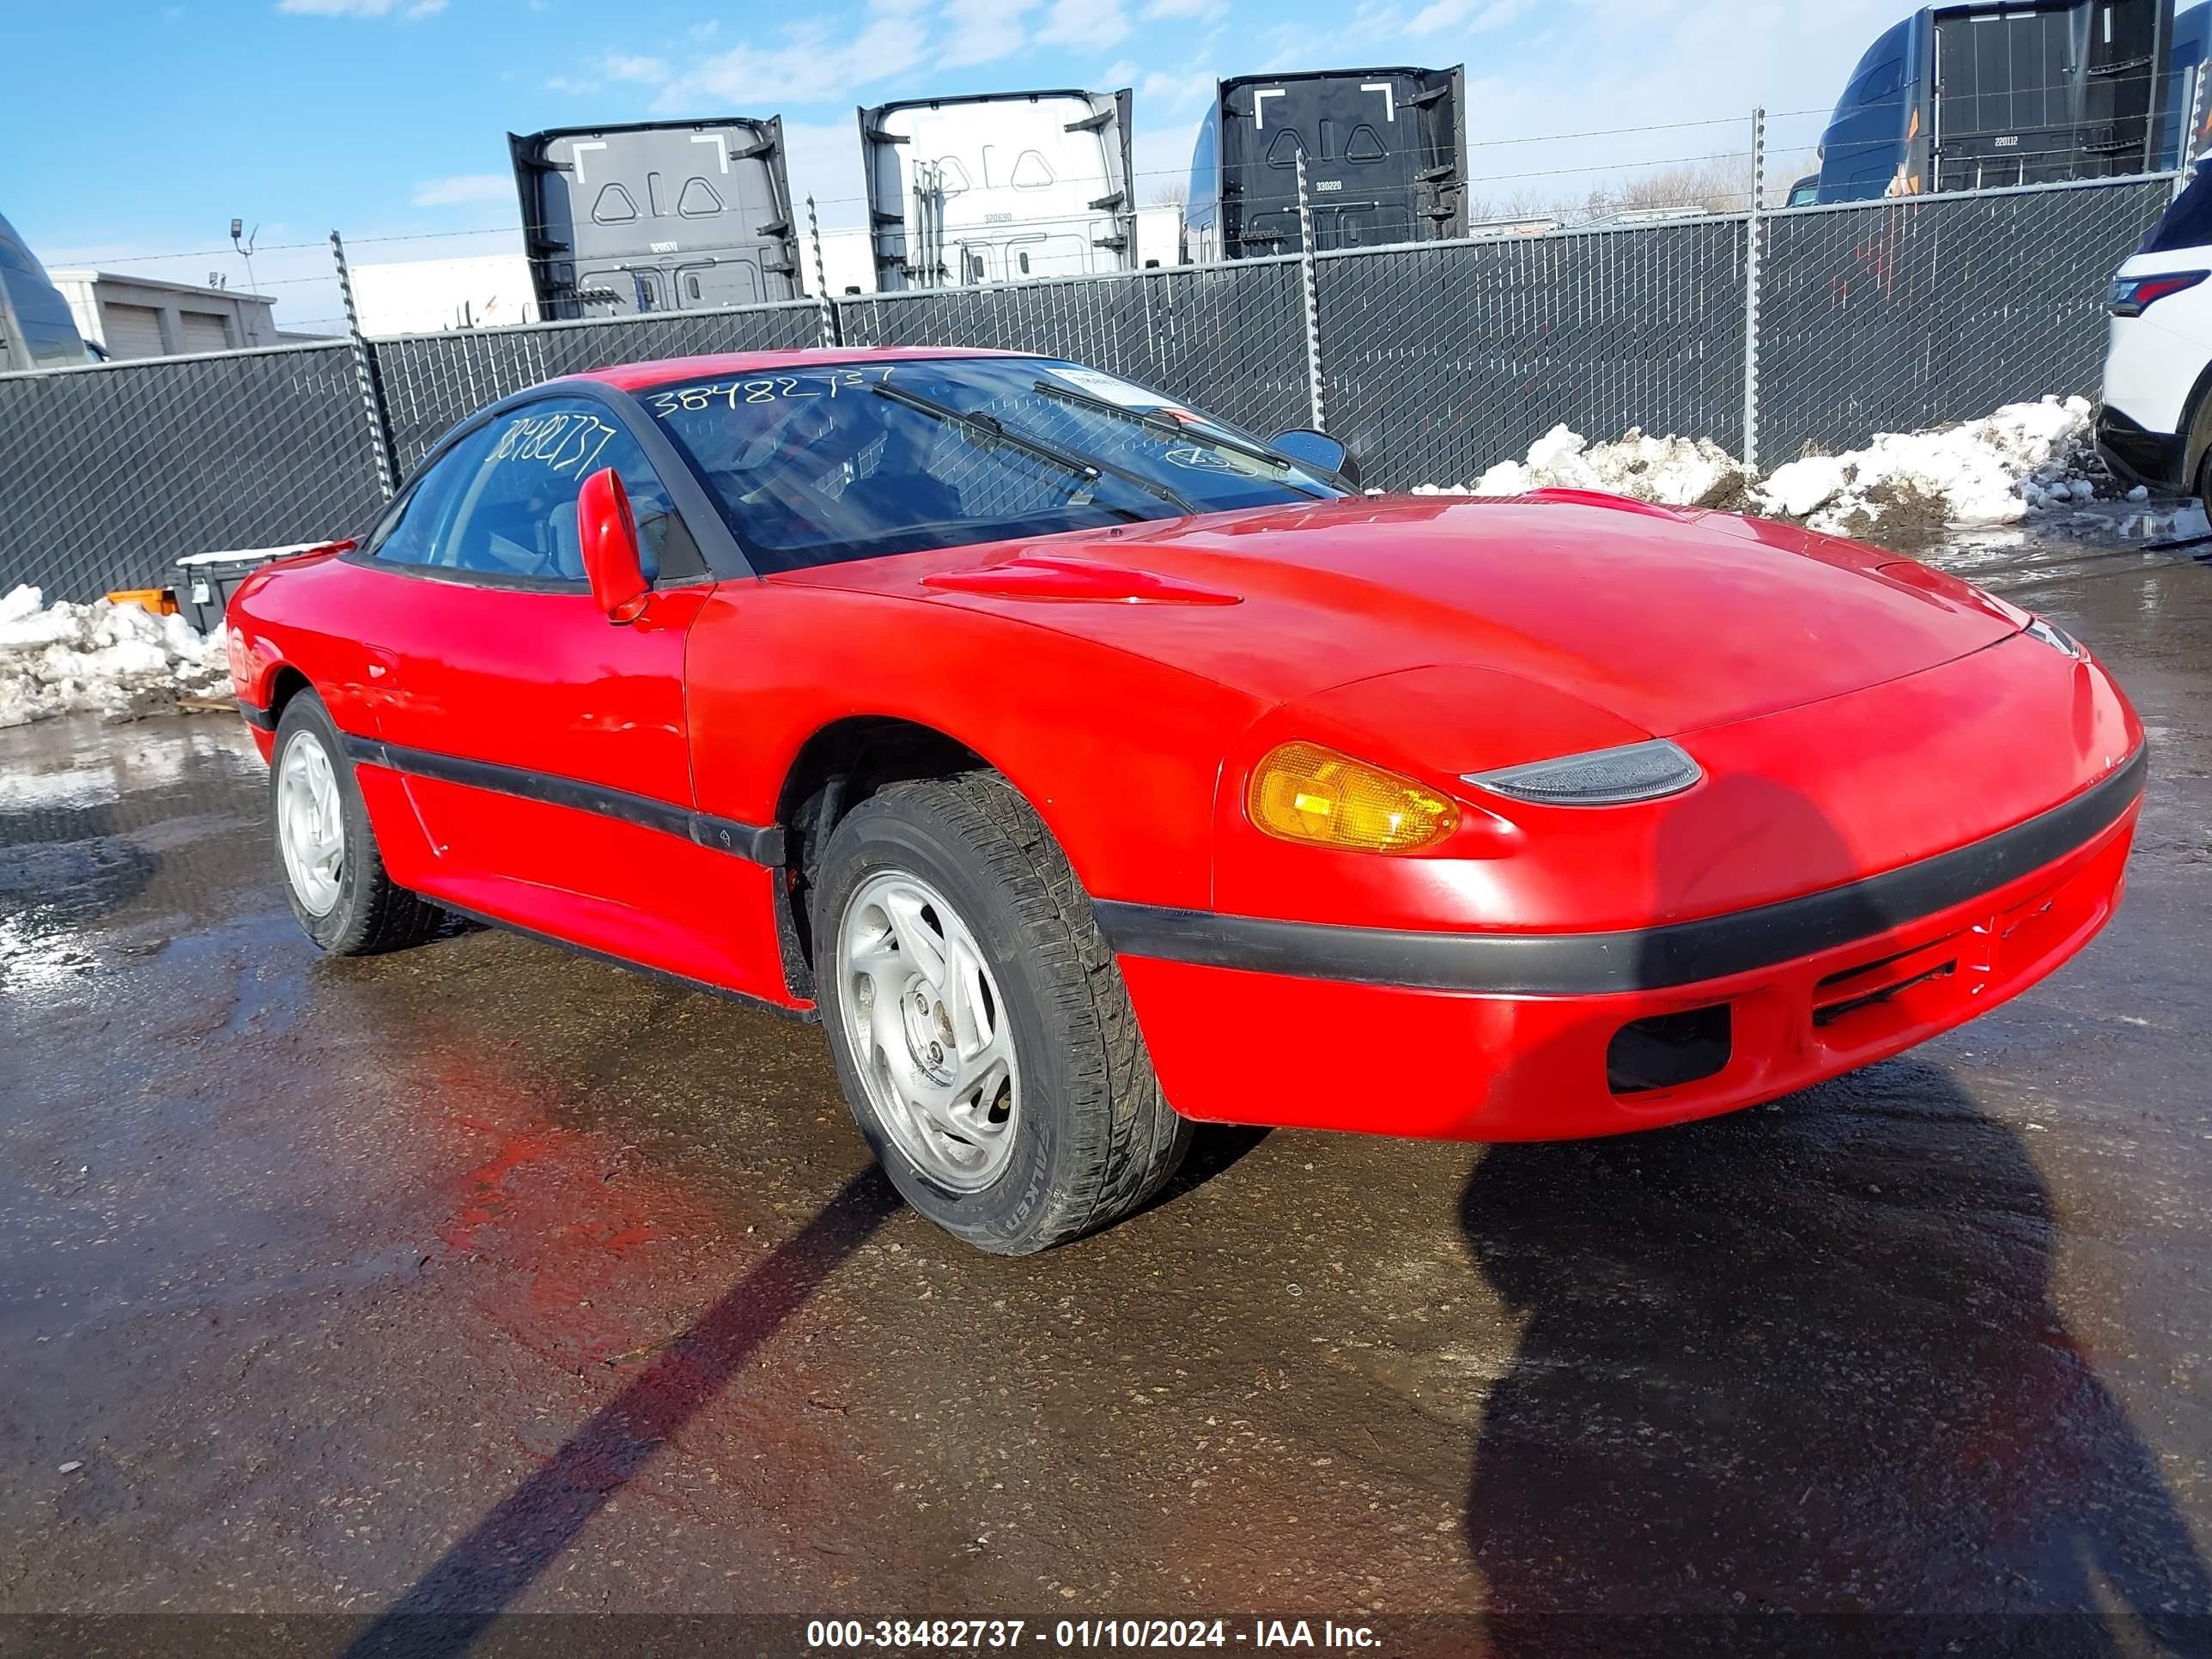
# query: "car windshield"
821, 463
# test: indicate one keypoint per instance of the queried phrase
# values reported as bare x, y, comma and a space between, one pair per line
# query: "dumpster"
205, 582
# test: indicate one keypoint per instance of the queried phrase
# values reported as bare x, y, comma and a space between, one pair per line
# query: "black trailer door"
2033, 96
1382, 149
674, 217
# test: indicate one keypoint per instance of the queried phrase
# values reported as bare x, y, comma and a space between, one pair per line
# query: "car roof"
636, 377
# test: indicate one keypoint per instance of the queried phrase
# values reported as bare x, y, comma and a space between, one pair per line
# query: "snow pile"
2025, 458
2028, 460
1673, 472
115, 659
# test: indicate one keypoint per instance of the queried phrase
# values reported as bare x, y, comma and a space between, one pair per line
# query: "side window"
411, 530
504, 503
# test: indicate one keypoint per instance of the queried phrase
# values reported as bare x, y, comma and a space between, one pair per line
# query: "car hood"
1670, 620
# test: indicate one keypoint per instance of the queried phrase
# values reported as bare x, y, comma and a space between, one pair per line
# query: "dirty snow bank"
1677, 471
2024, 459
2030, 459
114, 660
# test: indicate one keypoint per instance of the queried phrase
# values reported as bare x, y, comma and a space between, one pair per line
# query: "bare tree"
1168, 193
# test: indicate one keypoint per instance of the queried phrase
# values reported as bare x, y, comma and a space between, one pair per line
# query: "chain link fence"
109, 474
1434, 361
1903, 315
428, 382
1438, 361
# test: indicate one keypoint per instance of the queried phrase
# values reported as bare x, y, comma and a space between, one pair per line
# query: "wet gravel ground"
485, 1278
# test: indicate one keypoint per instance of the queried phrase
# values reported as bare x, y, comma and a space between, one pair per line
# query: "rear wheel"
334, 875
979, 1022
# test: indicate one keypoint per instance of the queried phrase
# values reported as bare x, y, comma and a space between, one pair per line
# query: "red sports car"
1092, 766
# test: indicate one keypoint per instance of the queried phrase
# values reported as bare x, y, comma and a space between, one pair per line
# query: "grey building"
143, 317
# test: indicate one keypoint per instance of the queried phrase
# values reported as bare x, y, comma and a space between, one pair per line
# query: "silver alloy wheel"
928, 1029
311, 822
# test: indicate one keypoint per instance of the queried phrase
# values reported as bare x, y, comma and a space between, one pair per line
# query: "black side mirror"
1318, 452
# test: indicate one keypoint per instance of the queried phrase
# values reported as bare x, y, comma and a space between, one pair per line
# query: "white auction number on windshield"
766, 389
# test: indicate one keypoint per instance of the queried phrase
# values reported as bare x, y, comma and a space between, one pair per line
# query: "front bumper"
1456, 1036
2139, 455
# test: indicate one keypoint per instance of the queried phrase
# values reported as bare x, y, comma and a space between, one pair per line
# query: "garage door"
203, 331
132, 330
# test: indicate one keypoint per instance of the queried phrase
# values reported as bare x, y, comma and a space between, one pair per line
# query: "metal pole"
821, 279
1754, 228
1313, 300
2196, 80
372, 404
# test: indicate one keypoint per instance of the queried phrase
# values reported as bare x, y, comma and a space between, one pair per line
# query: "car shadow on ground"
447, 1609
1795, 1380
1806, 1360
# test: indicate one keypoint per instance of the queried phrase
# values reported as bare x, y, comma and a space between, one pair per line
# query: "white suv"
2155, 426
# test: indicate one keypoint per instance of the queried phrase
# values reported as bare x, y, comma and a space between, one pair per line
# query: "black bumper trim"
756, 843
2138, 455
261, 720
1633, 959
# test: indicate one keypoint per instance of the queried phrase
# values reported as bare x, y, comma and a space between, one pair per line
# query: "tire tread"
384, 916
1126, 1139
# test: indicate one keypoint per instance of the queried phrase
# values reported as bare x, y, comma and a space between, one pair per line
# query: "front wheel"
979, 1022
333, 874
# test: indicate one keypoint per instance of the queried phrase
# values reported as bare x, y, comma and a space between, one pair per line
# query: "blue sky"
387, 118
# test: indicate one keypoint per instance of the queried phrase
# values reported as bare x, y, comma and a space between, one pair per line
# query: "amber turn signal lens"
1305, 793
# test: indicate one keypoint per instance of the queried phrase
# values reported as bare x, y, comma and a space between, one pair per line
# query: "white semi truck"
999, 186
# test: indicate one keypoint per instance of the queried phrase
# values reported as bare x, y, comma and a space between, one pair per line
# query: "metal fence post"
2196, 80
372, 405
821, 278
1754, 227
1306, 275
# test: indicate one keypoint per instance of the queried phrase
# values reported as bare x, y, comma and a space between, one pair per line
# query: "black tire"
372, 913
1094, 1138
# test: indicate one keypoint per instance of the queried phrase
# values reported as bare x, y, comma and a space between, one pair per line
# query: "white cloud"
814, 63
464, 188
1442, 15
1162, 94
1196, 10
362, 8
649, 70
982, 31
822, 159
1084, 23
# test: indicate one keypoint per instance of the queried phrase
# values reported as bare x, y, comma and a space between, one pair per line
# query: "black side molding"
756, 843
1633, 959
742, 998
261, 720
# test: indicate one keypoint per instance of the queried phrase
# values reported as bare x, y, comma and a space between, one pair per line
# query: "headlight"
2056, 637
1602, 777
1305, 793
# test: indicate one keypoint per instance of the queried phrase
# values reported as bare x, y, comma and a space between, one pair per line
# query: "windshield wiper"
1153, 421
997, 431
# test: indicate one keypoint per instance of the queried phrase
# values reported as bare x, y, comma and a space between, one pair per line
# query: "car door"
543, 748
